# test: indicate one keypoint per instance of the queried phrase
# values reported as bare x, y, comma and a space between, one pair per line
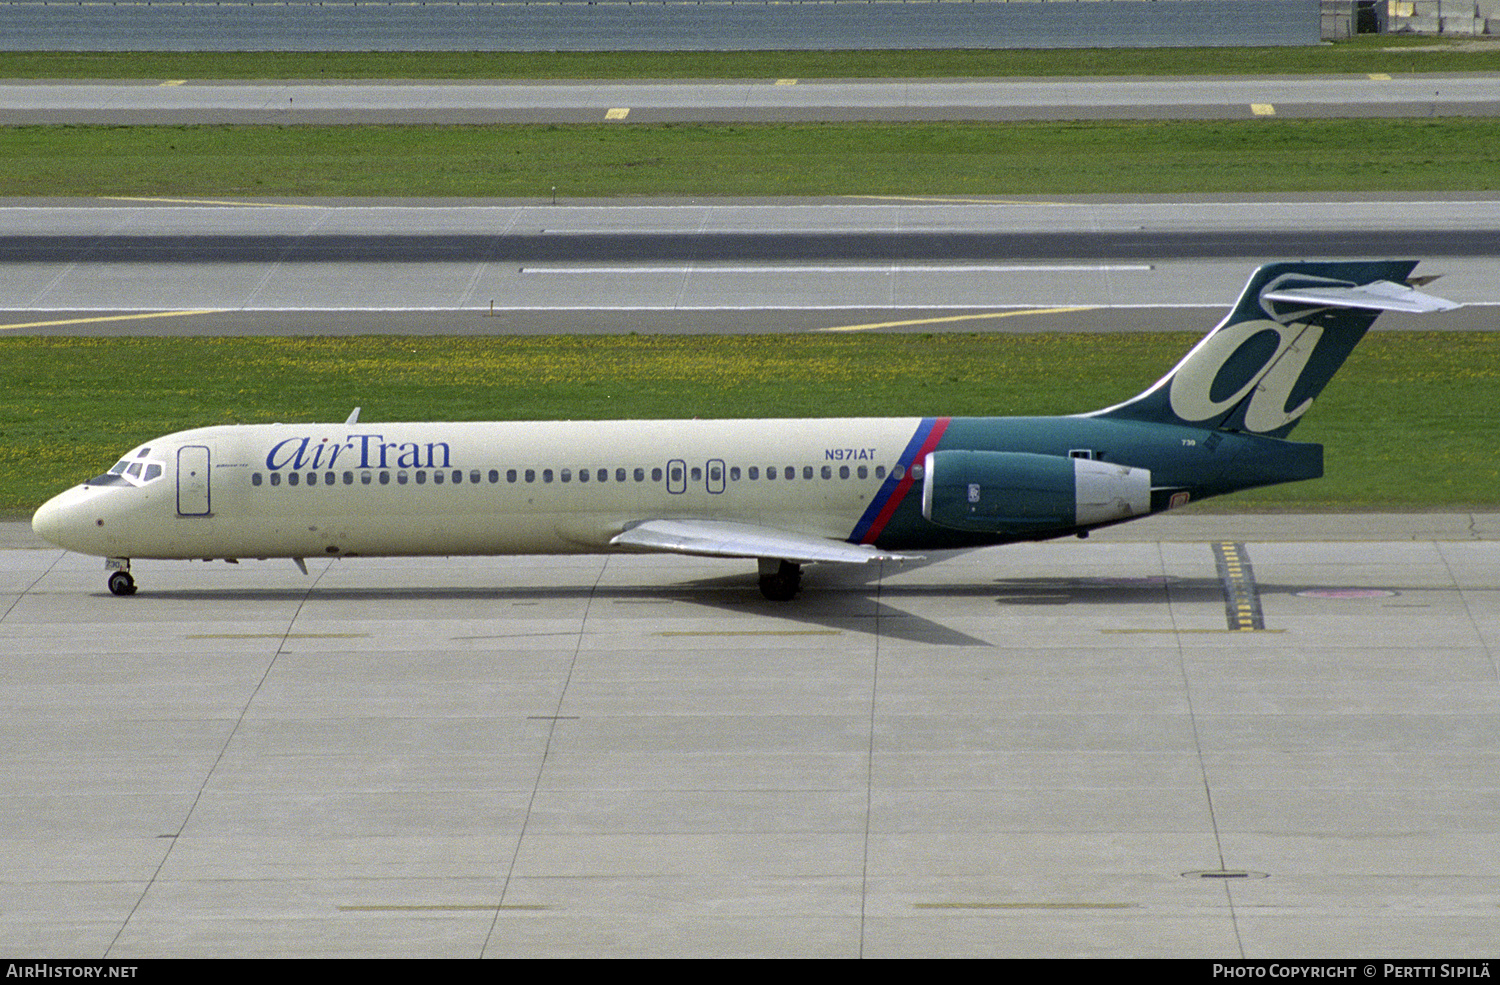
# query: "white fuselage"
305, 490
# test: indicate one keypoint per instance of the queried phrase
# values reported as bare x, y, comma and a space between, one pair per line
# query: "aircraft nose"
47, 520
53, 521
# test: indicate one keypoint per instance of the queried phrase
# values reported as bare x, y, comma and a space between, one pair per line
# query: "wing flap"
725, 538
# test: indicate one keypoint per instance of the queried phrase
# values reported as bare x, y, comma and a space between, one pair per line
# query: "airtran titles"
357, 451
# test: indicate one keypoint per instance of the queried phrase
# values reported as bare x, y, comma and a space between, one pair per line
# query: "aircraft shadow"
851, 600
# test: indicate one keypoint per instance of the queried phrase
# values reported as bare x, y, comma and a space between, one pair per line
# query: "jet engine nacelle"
1018, 492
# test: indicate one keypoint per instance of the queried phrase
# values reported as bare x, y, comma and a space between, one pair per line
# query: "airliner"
785, 493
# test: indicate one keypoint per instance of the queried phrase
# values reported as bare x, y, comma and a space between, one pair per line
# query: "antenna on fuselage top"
353, 416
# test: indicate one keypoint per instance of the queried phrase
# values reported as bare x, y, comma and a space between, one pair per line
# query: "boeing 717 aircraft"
783, 492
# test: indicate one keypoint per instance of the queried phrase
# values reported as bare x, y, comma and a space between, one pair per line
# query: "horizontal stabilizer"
1381, 295
721, 538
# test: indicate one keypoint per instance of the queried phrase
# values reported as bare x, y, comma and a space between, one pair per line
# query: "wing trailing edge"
725, 538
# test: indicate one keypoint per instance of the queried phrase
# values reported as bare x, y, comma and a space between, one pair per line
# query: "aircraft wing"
1380, 295
725, 538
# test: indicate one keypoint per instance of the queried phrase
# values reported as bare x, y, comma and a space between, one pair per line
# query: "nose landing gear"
120, 580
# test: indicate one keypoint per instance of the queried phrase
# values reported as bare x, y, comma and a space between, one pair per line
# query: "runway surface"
182, 102
1047, 750
340, 267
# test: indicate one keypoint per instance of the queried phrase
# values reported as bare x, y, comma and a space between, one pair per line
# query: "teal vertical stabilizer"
1292, 328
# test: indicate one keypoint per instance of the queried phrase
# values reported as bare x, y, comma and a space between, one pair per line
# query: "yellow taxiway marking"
441, 907
954, 318
1379, 77
752, 632
1023, 906
618, 113
104, 318
786, 82
955, 201
1185, 631
1263, 109
173, 82
278, 636
207, 201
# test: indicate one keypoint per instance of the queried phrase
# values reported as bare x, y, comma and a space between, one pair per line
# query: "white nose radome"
61, 520
48, 521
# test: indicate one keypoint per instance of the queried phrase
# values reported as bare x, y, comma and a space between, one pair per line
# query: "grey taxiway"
1066, 749
184, 101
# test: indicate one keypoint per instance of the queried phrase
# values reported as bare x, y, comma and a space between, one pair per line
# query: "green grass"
1384, 53
608, 160
1408, 423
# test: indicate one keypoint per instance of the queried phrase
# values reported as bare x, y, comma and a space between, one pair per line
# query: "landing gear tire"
783, 584
121, 583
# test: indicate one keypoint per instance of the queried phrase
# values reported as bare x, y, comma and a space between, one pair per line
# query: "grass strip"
610, 160
1408, 424
1371, 53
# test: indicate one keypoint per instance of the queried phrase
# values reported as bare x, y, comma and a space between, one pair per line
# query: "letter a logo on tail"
1292, 328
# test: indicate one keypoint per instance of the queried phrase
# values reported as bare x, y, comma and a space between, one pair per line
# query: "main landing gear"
120, 581
779, 580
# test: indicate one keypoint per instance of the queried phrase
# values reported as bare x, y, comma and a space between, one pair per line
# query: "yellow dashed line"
954, 318
786, 82
618, 113
442, 908
1379, 77
1263, 109
277, 636
173, 82
1214, 632
1023, 906
753, 632
104, 318
954, 201
207, 201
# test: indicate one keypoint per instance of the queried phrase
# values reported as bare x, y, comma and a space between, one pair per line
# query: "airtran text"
371, 450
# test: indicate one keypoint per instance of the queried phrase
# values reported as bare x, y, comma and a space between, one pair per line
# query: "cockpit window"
126, 472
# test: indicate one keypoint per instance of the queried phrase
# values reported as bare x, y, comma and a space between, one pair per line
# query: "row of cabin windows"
475, 477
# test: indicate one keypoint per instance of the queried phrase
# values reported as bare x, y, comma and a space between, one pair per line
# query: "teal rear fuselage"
1186, 464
